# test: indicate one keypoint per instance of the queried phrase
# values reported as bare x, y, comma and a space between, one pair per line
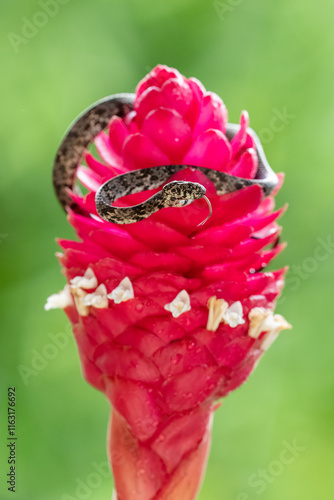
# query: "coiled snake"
173, 194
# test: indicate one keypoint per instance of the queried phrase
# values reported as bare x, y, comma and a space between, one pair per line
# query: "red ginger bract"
163, 374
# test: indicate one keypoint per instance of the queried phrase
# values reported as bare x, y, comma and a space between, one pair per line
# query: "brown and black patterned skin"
173, 194
79, 136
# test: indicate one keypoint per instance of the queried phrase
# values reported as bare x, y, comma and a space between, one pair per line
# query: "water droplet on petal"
191, 345
176, 359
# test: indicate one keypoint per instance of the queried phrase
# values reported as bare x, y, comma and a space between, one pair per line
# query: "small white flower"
179, 305
87, 281
59, 300
217, 309
98, 298
79, 295
123, 292
273, 324
234, 315
263, 320
257, 317
220, 312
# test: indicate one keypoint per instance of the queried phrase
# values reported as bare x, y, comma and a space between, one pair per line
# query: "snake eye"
182, 203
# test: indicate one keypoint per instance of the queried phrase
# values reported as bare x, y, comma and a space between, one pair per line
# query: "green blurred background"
266, 57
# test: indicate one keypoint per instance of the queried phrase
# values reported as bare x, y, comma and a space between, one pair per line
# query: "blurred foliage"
257, 55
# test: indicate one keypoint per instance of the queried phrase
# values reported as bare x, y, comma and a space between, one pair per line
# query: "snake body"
173, 194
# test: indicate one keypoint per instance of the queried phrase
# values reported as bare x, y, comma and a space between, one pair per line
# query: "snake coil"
92, 121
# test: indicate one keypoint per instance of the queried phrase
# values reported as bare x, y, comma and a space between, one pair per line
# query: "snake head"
181, 193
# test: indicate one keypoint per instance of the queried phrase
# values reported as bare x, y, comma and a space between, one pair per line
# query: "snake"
94, 120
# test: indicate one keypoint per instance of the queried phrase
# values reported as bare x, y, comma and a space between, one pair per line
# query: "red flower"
169, 317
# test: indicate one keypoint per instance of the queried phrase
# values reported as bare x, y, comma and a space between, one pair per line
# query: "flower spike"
170, 314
